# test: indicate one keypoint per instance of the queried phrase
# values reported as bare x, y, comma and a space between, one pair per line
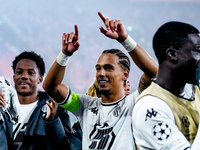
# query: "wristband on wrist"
129, 44
62, 59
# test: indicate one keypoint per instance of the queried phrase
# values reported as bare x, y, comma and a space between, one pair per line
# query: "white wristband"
62, 59
129, 44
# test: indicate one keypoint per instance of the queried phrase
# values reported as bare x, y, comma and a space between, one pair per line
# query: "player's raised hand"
70, 42
114, 28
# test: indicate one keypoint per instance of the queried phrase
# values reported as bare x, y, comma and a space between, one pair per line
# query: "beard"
24, 94
104, 92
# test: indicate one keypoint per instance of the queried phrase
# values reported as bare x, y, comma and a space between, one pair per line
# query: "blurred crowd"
38, 25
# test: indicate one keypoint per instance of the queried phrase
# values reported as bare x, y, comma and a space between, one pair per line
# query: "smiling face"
109, 74
26, 78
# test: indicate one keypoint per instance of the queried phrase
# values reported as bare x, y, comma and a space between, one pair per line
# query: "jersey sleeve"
71, 102
76, 103
154, 126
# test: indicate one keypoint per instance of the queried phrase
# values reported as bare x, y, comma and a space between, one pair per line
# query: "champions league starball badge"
11, 100
161, 131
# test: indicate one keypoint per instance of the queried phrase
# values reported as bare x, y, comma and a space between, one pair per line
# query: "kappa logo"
94, 110
151, 113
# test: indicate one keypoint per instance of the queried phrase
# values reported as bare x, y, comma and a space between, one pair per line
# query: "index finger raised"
76, 31
101, 16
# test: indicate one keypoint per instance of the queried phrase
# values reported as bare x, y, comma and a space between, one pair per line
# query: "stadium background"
38, 25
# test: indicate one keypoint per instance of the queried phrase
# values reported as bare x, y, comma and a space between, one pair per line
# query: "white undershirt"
24, 111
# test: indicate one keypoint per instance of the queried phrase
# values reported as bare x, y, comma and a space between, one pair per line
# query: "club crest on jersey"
44, 110
117, 111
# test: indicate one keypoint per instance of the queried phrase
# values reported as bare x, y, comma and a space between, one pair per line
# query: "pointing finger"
76, 31
101, 16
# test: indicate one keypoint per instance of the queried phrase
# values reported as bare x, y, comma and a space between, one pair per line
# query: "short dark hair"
124, 61
171, 35
32, 56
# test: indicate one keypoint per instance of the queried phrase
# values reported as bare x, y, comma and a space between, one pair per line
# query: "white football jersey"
106, 125
154, 125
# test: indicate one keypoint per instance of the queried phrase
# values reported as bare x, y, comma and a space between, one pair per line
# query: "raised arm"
53, 81
116, 30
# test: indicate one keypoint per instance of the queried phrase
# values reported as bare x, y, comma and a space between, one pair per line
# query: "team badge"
117, 111
161, 131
